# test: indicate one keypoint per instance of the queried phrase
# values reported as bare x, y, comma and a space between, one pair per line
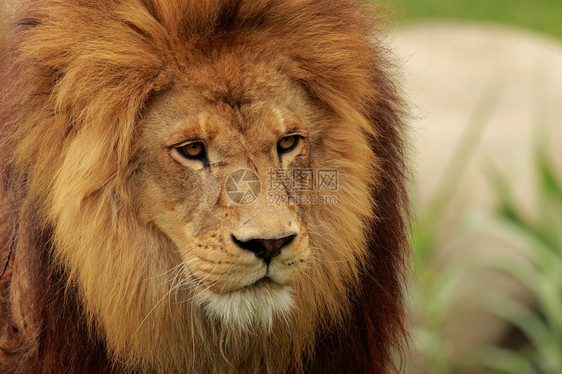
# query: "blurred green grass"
541, 275
433, 292
540, 15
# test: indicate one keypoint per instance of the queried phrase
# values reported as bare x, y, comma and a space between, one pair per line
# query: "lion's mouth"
262, 283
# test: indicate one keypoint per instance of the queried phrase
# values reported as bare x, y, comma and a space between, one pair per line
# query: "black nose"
264, 248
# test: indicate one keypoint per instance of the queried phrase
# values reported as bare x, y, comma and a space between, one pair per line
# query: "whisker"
172, 289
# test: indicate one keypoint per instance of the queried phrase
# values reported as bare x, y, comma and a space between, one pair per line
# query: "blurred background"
484, 82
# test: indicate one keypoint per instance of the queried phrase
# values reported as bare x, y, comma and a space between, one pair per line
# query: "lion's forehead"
182, 115
239, 76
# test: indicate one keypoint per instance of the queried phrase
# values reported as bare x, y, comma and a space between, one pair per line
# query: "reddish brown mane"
326, 47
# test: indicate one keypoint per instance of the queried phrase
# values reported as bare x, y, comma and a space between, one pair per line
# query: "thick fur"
97, 282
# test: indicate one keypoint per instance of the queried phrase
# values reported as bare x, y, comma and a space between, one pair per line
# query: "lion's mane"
81, 276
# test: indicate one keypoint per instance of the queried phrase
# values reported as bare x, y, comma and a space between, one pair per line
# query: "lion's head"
218, 183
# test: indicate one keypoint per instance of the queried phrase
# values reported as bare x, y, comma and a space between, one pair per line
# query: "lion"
153, 216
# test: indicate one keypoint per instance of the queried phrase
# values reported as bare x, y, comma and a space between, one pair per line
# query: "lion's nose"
265, 248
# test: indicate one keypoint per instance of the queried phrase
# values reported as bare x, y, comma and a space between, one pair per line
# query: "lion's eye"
195, 151
287, 143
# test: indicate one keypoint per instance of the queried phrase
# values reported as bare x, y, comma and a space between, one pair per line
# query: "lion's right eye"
193, 151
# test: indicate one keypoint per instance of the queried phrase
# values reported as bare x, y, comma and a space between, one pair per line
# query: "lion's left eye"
287, 143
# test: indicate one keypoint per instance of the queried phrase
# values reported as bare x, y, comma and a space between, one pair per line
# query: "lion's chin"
249, 308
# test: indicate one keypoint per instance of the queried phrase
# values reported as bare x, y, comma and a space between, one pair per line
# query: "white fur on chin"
248, 308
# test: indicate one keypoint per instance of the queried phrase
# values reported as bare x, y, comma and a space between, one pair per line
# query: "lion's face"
205, 171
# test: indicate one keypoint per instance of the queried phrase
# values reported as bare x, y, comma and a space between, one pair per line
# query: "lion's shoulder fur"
81, 66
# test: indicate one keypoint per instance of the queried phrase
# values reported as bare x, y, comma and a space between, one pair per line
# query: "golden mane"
83, 290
